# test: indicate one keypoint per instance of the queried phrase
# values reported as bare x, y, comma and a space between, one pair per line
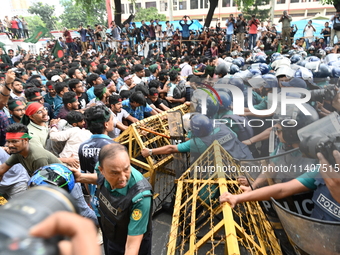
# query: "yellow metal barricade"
200, 225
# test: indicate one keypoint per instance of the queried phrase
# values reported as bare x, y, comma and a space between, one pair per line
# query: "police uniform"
125, 211
225, 136
325, 206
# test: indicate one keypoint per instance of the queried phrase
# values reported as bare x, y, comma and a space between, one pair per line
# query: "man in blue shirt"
185, 29
136, 106
230, 22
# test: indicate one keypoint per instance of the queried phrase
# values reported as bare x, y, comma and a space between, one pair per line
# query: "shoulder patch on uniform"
136, 214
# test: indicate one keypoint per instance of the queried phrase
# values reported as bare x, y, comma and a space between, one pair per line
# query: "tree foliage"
46, 13
74, 14
250, 7
34, 21
148, 14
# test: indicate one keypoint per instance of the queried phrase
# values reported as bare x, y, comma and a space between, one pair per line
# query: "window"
193, 4
294, 1
150, 4
182, 4
234, 3
131, 8
174, 5
123, 8
138, 6
163, 6
226, 3
204, 4
280, 1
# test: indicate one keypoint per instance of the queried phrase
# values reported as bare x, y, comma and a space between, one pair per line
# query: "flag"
57, 51
279, 48
37, 34
2, 45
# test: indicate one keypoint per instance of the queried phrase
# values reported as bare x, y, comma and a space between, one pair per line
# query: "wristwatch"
150, 152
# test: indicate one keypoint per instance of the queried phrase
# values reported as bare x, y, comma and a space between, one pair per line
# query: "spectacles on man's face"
43, 110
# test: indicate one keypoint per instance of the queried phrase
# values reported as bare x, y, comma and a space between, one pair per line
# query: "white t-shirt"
119, 117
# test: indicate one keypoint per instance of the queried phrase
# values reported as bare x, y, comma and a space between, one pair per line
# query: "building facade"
198, 9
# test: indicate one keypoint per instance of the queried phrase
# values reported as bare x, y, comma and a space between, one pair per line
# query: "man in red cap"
36, 119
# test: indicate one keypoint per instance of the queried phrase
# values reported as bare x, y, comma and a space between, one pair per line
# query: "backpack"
244, 131
180, 90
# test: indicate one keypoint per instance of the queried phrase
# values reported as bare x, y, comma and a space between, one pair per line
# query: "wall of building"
198, 9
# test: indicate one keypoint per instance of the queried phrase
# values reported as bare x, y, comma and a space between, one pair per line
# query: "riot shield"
308, 235
280, 168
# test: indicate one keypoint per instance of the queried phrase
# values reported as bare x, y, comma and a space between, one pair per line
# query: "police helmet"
263, 68
296, 58
255, 71
238, 82
225, 98
54, 174
336, 72
304, 73
322, 72
313, 59
302, 63
201, 125
291, 52
274, 56
260, 59
212, 103
237, 62
242, 60
311, 48
294, 120
270, 81
221, 69
321, 53
234, 69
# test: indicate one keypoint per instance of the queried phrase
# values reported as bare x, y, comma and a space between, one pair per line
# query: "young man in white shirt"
115, 102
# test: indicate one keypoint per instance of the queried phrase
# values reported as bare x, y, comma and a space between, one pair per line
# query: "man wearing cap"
154, 69
32, 157
294, 83
36, 118
16, 109
115, 102
70, 103
92, 68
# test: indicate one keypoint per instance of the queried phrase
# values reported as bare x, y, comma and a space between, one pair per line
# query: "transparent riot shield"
280, 168
307, 235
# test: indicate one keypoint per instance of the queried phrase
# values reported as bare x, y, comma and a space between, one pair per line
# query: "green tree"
336, 3
74, 14
33, 22
148, 14
46, 13
90, 5
248, 8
